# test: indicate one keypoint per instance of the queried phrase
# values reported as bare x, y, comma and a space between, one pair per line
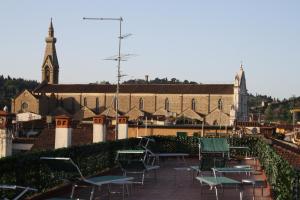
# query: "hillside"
273, 110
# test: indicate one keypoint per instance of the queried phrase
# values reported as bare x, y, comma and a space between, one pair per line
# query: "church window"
115, 101
220, 104
61, 102
97, 104
193, 104
141, 104
84, 101
24, 106
167, 104
73, 104
47, 73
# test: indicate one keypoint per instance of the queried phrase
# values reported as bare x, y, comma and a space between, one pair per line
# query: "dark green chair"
214, 145
135, 162
23, 191
213, 152
74, 175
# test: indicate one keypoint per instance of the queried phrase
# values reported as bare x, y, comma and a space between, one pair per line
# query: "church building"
214, 104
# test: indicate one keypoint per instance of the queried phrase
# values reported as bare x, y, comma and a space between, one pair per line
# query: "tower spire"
51, 30
50, 65
242, 65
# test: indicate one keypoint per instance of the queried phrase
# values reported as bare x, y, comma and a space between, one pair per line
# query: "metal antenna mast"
119, 59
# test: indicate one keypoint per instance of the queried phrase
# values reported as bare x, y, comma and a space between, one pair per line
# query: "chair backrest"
144, 142
16, 187
213, 145
62, 164
132, 160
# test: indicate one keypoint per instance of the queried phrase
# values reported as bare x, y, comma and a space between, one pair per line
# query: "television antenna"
117, 58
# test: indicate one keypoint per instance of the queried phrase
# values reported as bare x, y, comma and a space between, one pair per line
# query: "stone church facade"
216, 104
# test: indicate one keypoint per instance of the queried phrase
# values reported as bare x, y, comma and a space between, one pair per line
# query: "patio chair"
24, 190
153, 158
206, 163
66, 165
134, 162
213, 146
213, 152
215, 182
144, 142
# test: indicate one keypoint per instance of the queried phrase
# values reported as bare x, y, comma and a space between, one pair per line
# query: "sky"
202, 41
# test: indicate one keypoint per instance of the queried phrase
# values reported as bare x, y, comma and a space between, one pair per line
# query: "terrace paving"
176, 185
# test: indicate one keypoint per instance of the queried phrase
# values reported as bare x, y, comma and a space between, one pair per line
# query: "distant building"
216, 104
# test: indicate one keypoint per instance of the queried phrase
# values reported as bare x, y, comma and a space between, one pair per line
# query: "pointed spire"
51, 30
50, 65
241, 68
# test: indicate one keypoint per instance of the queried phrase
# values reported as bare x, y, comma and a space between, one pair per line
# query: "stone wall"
138, 131
204, 104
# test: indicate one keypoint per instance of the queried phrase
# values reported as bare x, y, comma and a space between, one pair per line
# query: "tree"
269, 114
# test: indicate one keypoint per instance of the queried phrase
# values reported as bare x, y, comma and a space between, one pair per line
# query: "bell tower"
50, 67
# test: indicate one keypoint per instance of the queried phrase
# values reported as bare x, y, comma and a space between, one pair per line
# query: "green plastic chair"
213, 145
67, 166
135, 162
23, 190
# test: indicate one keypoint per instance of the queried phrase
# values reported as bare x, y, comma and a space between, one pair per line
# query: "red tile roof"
138, 88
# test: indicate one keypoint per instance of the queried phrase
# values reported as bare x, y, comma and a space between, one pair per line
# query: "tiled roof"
80, 136
138, 88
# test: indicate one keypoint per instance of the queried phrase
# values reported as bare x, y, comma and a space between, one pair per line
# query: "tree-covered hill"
273, 110
9, 87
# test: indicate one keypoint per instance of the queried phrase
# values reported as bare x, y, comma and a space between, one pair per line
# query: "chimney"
147, 78
99, 129
5, 133
123, 128
63, 132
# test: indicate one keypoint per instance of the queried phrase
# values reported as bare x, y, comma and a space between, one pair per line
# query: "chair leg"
123, 188
143, 177
241, 194
216, 191
73, 190
92, 193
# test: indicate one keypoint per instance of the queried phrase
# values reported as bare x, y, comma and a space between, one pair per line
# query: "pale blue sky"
202, 41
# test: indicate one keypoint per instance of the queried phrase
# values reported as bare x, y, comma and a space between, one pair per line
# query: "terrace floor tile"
174, 184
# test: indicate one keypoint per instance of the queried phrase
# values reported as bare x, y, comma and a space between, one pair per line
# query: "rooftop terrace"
172, 184
28, 170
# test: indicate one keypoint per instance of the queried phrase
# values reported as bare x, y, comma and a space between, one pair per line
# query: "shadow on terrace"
180, 174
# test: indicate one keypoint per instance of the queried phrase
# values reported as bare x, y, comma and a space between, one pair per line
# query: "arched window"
84, 101
73, 104
167, 104
61, 102
141, 104
220, 104
193, 104
115, 101
97, 104
47, 73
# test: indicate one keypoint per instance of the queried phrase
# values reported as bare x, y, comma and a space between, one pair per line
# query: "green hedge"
281, 175
171, 144
27, 169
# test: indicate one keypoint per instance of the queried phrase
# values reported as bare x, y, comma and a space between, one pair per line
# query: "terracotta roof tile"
138, 88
